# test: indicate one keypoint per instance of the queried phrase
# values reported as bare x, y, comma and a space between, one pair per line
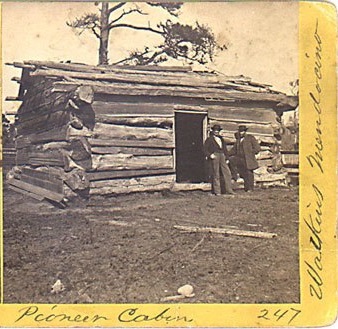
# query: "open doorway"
190, 129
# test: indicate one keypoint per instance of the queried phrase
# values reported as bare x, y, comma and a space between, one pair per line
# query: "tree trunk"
104, 34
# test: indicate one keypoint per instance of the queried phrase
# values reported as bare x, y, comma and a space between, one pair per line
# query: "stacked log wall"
44, 143
41, 118
131, 151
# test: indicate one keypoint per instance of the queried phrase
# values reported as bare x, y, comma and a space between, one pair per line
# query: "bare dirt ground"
125, 249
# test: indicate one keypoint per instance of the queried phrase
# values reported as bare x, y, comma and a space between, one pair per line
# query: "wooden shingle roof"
153, 81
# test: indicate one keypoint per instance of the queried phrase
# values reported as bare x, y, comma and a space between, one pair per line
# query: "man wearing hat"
216, 151
243, 156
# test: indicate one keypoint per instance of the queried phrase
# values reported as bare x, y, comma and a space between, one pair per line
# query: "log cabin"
105, 130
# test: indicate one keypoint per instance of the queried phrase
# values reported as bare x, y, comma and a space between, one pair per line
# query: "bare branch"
118, 6
93, 29
95, 33
112, 26
125, 13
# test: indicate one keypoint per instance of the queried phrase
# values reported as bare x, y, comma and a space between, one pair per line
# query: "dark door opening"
190, 160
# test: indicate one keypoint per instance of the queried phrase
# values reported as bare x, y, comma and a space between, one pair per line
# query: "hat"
216, 128
242, 128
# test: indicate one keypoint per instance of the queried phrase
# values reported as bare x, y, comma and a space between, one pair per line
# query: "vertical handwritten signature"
313, 218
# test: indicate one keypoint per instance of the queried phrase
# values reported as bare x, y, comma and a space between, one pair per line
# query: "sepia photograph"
150, 153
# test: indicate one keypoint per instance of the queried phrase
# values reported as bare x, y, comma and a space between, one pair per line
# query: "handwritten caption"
130, 315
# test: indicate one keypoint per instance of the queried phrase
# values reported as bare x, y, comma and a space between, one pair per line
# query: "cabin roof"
152, 81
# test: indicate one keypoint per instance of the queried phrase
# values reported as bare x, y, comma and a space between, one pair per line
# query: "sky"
261, 38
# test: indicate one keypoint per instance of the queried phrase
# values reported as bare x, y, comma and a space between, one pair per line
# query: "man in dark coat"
243, 157
216, 152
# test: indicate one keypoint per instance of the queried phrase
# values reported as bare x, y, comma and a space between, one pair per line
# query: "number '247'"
289, 314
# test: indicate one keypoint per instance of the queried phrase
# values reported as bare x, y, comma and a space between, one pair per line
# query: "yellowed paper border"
318, 153
318, 263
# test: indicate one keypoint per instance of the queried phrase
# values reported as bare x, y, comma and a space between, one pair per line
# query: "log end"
85, 94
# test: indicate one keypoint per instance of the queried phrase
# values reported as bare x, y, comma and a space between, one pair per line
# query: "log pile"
290, 160
84, 130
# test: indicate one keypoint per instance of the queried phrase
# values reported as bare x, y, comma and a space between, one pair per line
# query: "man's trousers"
239, 163
220, 168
